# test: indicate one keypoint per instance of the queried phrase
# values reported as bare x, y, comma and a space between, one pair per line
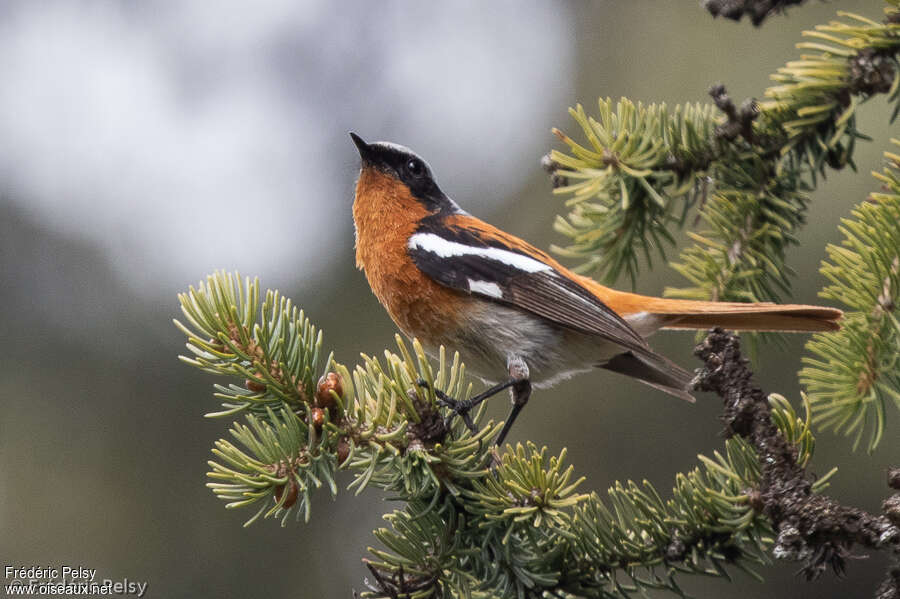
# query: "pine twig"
851, 376
816, 530
749, 168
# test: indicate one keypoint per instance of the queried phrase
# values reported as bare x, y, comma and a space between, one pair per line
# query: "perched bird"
516, 316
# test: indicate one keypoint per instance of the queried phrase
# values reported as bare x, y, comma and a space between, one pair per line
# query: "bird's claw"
458, 407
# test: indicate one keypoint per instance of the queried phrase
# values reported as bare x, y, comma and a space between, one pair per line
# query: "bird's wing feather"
510, 276
504, 269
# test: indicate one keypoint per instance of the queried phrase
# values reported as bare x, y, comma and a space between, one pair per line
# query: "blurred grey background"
143, 145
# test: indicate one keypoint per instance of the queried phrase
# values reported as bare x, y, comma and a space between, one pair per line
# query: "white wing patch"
447, 249
486, 288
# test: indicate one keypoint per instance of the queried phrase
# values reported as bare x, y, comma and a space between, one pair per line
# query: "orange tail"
688, 314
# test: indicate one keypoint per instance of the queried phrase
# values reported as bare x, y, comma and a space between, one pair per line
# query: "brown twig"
816, 530
756, 10
740, 120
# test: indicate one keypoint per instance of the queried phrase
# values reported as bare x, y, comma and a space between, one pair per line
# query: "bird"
518, 318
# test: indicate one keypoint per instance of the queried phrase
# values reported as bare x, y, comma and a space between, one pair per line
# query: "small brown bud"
317, 415
291, 497
254, 385
328, 383
343, 450
755, 500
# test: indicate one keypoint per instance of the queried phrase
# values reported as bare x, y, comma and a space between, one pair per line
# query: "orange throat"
386, 215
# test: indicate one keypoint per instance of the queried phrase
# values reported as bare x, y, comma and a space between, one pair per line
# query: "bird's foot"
458, 407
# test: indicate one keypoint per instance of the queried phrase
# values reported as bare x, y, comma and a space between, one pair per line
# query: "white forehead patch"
448, 249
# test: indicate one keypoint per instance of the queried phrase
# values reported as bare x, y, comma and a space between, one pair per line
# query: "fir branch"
751, 168
478, 525
808, 123
639, 156
376, 421
505, 536
276, 358
812, 109
522, 531
854, 374
642, 541
814, 529
287, 464
751, 218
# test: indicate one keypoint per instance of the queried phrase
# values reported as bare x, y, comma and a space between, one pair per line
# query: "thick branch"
814, 529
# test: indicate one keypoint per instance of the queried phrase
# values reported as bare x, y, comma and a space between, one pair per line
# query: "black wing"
493, 270
509, 276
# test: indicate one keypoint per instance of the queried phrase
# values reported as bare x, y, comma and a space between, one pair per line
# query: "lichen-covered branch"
814, 529
756, 10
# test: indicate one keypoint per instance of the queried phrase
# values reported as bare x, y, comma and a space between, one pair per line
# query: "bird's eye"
415, 167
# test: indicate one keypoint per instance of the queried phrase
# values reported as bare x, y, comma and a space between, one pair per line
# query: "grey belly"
495, 333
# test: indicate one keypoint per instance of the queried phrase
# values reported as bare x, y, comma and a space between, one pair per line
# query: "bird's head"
398, 167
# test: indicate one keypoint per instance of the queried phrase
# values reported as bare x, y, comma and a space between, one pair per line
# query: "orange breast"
386, 215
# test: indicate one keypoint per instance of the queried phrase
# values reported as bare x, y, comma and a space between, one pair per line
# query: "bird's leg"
520, 391
462, 407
